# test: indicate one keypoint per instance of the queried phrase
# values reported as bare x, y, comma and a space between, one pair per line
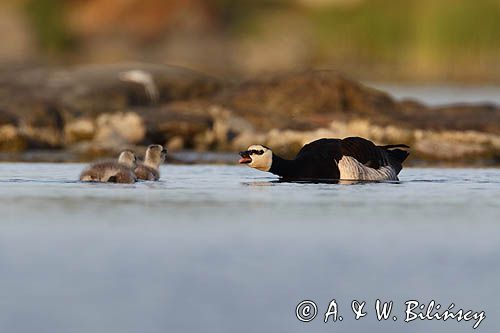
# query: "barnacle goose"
352, 158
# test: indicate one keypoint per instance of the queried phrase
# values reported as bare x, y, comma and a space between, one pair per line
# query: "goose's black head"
257, 157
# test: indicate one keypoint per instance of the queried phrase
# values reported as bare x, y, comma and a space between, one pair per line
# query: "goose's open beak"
245, 157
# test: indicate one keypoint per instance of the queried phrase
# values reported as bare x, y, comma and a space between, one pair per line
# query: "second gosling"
150, 168
111, 171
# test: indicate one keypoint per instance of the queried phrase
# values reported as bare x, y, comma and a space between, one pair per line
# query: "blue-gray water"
226, 249
442, 94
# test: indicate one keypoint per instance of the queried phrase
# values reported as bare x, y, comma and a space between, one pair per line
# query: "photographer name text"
307, 311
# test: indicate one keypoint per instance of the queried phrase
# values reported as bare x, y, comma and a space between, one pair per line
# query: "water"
437, 95
228, 249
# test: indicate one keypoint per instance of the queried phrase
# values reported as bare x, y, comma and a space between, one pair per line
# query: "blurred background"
224, 248
382, 40
91, 77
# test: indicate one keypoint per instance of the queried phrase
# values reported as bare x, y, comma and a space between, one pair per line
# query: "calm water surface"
442, 94
229, 249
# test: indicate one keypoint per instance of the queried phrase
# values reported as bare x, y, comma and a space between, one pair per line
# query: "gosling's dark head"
155, 155
258, 157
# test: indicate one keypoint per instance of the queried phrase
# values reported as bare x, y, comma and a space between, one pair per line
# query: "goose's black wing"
364, 151
323, 149
317, 160
361, 149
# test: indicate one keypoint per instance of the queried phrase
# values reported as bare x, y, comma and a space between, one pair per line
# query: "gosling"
121, 171
150, 168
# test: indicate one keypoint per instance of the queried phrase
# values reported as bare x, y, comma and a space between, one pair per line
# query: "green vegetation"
47, 19
462, 24
387, 29
372, 29
384, 30
243, 16
416, 37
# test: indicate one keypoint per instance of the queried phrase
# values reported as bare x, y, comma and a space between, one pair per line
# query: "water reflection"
318, 181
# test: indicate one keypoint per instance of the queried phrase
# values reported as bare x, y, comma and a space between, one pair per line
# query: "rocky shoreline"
85, 112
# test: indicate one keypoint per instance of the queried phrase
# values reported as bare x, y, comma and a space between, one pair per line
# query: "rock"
176, 119
88, 91
7, 118
448, 150
175, 144
306, 100
101, 109
97, 89
246, 139
11, 140
227, 126
79, 130
119, 129
39, 122
42, 137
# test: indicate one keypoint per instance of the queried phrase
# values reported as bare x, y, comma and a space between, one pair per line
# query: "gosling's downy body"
121, 171
150, 168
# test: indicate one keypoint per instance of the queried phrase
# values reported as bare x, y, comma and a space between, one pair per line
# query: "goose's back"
352, 158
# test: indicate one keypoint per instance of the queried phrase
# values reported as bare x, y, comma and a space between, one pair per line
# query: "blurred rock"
98, 110
227, 126
183, 120
79, 130
175, 144
11, 139
119, 129
306, 100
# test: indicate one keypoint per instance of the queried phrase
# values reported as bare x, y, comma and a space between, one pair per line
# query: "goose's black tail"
398, 155
394, 146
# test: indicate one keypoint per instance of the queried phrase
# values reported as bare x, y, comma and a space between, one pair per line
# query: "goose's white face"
257, 157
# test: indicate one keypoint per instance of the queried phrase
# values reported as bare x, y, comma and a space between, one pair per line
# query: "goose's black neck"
282, 167
304, 168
